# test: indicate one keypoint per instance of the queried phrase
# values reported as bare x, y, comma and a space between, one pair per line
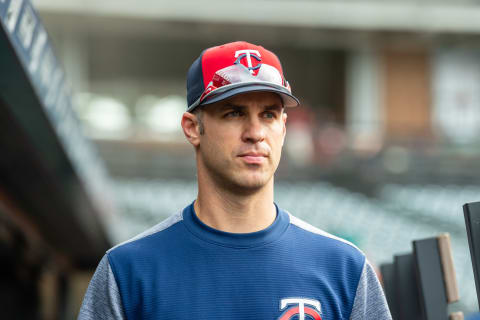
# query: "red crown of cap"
217, 58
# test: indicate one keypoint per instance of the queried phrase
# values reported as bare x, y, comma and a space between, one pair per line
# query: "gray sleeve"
102, 299
369, 301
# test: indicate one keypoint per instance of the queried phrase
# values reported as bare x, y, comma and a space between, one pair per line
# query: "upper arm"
370, 302
102, 299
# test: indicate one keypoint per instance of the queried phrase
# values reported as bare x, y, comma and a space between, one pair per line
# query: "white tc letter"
301, 305
249, 58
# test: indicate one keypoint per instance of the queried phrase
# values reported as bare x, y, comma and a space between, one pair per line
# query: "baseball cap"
224, 71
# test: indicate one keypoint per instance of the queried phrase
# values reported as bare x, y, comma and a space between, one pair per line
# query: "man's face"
242, 142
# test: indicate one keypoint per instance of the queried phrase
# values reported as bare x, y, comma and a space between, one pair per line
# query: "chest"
235, 284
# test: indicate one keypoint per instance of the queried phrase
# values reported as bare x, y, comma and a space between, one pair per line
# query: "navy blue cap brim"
288, 99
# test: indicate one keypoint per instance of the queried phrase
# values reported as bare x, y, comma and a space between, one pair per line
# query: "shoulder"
147, 239
337, 261
335, 246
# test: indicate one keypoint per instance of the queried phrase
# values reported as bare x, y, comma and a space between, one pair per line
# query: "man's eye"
269, 115
233, 114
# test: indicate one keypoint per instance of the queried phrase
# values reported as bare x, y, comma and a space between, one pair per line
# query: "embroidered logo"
248, 54
301, 309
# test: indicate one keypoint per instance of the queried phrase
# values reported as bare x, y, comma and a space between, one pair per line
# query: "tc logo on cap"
248, 53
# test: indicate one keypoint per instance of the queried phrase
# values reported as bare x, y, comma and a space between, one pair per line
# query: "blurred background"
385, 148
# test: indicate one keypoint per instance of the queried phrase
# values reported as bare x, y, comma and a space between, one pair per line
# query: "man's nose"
253, 131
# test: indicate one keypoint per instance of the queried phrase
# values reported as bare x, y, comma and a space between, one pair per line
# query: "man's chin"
251, 184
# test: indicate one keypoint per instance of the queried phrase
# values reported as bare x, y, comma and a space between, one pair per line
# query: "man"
232, 253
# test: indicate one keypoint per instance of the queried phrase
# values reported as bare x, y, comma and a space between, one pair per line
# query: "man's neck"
231, 212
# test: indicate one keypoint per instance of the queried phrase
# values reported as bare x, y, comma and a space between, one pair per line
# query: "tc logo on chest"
301, 309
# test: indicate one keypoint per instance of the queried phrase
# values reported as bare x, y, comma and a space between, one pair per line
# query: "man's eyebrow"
232, 106
275, 106
227, 106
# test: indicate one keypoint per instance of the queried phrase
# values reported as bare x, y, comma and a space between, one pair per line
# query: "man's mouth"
253, 157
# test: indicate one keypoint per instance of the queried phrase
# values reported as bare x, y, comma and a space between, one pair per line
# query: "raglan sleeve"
102, 299
370, 302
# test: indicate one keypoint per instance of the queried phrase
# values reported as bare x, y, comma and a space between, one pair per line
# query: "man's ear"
191, 128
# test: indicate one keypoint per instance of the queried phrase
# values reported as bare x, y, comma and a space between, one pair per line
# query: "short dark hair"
198, 112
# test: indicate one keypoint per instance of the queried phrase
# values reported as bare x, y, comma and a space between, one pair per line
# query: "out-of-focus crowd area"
384, 149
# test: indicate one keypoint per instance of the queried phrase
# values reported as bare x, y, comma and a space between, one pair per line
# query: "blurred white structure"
413, 15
